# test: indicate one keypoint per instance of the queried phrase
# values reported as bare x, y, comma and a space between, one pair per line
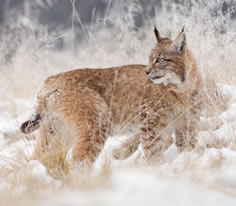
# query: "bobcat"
150, 101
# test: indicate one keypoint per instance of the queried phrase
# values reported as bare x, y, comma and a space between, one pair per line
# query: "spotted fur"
150, 101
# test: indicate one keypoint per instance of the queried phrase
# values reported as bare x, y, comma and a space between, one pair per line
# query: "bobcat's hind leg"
47, 134
92, 133
92, 121
78, 118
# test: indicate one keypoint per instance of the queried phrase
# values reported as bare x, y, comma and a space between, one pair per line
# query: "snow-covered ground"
202, 177
188, 178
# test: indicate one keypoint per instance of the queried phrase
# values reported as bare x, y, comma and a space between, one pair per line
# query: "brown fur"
95, 103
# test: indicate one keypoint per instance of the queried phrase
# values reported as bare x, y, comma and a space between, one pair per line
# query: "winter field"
206, 176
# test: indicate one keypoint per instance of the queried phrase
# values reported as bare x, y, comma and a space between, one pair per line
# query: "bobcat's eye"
157, 60
167, 60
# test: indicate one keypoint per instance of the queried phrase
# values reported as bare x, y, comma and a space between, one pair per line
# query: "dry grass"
20, 79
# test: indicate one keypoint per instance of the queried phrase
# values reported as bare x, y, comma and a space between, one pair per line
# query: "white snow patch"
171, 153
209, 157
139, 187
36, 169
4, 186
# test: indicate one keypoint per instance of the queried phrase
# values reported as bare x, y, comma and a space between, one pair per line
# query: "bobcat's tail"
32, 124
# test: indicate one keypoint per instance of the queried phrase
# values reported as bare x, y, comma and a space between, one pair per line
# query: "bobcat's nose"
147, 72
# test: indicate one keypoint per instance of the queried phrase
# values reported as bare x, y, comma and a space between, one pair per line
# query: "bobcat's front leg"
155, 137
186, 135
126, 148
185, 139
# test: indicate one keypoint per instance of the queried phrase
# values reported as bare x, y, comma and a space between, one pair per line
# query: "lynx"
148, 101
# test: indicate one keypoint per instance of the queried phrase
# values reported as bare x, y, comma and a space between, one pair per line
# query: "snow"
38, 170
187, 178
171, 153
140, 187
210, 156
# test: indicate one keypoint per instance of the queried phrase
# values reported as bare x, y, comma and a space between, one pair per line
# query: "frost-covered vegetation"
31, 53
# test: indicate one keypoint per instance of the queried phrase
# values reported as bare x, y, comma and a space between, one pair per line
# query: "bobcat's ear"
157, 34
179, 43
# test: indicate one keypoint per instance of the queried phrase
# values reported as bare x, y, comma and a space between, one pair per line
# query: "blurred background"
56, 36
57, 13
79, 18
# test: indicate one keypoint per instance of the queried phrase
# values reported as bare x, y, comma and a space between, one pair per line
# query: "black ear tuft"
157, 35
179, 43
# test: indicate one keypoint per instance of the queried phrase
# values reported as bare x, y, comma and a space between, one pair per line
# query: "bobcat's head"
167, 62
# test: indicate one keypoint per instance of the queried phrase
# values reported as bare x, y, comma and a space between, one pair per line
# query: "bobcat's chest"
162, 115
